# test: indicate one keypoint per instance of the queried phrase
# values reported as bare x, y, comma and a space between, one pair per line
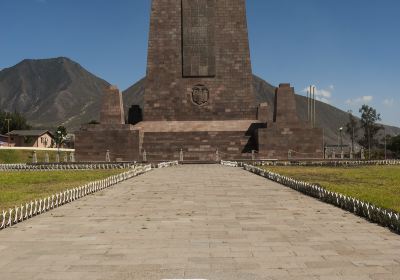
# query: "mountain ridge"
49, 92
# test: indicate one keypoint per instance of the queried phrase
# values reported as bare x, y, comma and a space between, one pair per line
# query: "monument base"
286, 142
120, 141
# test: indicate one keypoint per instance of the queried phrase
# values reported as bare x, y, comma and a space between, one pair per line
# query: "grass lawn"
25, 156
22, 187
379, 185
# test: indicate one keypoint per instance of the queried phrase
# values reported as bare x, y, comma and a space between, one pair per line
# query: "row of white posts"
67, 158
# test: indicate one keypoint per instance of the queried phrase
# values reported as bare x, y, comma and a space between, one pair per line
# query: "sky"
348, 49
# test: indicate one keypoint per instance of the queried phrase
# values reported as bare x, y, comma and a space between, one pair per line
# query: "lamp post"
8, 129
384, 131
59, 133
352, 140
341, 138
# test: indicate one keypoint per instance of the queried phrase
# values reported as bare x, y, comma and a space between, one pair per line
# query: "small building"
32, 138
4, 141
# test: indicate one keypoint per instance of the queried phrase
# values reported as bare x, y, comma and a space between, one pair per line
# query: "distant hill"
52, 92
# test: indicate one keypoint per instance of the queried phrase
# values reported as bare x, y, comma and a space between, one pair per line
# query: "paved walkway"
206, 221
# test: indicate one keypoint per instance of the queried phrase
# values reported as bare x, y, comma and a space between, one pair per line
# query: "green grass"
25, 156
22, 187
379, 185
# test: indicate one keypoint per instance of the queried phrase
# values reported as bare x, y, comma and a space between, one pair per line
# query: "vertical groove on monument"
198, 62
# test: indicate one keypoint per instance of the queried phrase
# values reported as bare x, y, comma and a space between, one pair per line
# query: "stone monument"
199, 99
198, 93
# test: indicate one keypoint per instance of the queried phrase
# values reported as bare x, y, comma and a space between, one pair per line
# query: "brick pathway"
206, 221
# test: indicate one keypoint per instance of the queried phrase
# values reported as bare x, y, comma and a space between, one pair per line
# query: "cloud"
360, 100
323, 95
388, 102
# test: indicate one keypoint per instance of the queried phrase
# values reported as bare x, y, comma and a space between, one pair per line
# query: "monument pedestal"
198, 140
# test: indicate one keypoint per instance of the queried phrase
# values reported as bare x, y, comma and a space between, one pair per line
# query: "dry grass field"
21, 187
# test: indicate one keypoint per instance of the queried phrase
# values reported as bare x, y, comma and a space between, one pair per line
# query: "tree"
12, 121
352, 128
60, 135
369, 119
394, 145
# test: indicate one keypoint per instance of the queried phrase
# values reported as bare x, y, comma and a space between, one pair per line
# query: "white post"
144, 156
72, 157
108, 156
34, 157
181, 155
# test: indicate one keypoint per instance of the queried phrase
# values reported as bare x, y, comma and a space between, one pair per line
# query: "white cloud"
323, 95
388, 102
360, 100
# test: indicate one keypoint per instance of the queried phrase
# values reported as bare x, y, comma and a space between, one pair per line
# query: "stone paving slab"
198, 221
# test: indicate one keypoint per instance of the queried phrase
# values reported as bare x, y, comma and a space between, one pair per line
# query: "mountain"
52, 92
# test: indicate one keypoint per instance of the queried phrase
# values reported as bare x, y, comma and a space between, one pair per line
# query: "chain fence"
64, 166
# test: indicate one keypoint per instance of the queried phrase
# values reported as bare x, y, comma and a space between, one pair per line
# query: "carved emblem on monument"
200, 94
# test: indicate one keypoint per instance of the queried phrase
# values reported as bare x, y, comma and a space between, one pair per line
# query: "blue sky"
349, 49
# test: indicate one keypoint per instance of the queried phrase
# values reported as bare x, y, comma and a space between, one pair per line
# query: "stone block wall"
112, 109
197, 145
93, 141
285, 109
275, 142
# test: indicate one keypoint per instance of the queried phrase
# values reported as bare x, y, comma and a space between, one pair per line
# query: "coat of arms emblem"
200, 94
